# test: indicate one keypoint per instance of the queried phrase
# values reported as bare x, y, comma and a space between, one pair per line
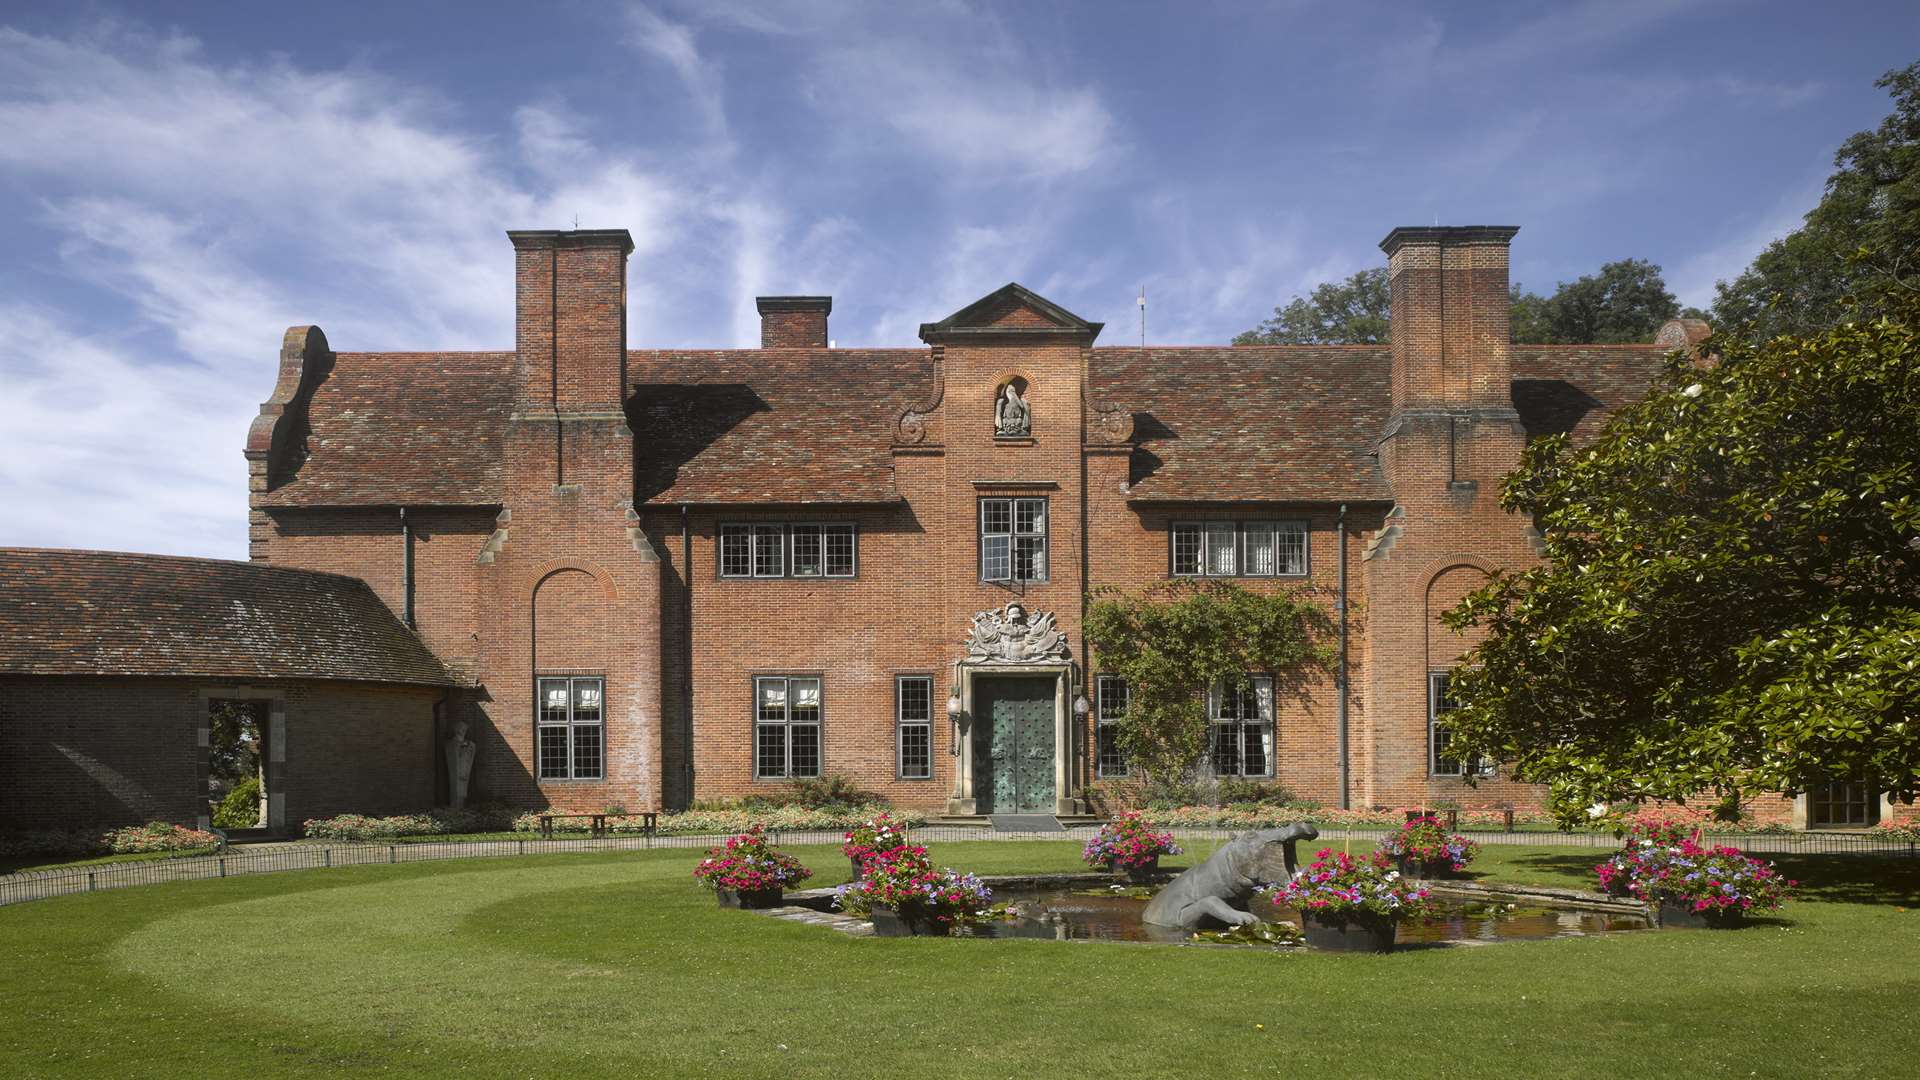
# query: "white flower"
1692, 391
1598, 809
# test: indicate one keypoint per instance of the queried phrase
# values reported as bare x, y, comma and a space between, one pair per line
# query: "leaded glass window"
1242, 727
913, 713
786, 727
1110, 708
570, 728
1013, 539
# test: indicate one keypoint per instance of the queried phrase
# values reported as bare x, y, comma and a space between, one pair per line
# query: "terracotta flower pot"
1679, 914
750, 899
1138, 875
1353, 935
887, 922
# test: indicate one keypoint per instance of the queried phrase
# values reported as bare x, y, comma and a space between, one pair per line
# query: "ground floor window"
913, 719
1440, 736
1110, 708
1843, 803
786, 726
1242, 727
571, 728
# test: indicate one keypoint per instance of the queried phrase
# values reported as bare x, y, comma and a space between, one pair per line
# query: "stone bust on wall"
1011, 417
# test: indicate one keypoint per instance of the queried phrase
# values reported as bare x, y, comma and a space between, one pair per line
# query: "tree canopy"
1859, 249
1730, 595
1350, 312
1176, 639
1626, 301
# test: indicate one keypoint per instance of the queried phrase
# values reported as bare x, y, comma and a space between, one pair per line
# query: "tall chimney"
570, 332
793, 322
1452, 329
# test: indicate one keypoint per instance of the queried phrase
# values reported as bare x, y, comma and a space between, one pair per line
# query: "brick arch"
1447, 581
593, 570
570, 620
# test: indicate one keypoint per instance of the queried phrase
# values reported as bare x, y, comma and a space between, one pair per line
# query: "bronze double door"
1014, 748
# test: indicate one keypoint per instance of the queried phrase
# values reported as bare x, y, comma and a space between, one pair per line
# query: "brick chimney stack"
1452, 330
794, 322
571, 320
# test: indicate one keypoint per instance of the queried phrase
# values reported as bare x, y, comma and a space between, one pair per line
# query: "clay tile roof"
770, 425
114, 613
389, 429
1266, 423
1572, 389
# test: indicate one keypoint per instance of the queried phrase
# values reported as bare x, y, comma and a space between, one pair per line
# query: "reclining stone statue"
1219, 888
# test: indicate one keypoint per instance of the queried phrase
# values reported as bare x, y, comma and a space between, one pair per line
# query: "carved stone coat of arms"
1011, 636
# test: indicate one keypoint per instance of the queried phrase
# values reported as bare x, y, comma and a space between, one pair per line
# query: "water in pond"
1065, 914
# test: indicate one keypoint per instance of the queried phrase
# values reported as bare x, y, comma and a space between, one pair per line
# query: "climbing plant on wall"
1175, 639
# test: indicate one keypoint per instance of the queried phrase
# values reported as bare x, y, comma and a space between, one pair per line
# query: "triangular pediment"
1013, 310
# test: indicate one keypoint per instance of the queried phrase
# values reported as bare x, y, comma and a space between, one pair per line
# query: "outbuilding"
111, 665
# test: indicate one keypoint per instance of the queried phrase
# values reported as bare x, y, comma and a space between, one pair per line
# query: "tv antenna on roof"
1143, 316
576, 223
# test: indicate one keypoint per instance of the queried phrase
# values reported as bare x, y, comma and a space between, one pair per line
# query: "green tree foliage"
1625, 302
240, 809
1178, 638
1858, 252
1730, 597
1350, 312
234, 743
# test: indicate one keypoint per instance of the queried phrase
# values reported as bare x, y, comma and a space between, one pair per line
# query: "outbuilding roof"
116, 613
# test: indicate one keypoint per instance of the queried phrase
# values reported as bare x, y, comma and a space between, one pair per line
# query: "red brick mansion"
667, 575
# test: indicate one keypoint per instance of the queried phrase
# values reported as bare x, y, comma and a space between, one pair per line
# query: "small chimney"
794, 322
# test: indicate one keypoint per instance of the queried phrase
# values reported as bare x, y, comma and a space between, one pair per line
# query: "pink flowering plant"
879, 833
745, 863
905, 880
1717, 880
1128, 842
1898, 830
1338, 888
1646, 834
1424, 840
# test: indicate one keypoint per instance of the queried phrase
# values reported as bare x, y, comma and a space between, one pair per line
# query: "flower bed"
1128, 844
1424, 843
1720, 883
747, 864
444, 822
154, 836
696, 822
1898, 830
902, 884
1352, 904
878, 834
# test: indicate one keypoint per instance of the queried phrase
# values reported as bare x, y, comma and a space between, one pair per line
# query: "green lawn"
615, 964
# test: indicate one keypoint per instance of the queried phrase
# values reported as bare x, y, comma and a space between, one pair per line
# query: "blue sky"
182, 182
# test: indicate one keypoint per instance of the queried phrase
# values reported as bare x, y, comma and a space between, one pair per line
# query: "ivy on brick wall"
1177, 638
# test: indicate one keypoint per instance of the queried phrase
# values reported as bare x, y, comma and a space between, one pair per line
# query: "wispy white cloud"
673, 44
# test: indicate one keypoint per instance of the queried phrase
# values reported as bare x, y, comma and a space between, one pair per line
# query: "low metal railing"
235, 862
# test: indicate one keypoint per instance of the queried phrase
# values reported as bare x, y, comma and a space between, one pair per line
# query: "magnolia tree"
1730, 596
1178, 638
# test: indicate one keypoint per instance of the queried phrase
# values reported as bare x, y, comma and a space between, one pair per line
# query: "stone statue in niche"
459, 764
1008, 636
1011, 417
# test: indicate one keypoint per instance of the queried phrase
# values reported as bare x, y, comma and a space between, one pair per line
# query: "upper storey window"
1013, 540
764, 549
1239, 548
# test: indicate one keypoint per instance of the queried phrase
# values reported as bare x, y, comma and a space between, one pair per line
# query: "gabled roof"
116, 613
403, 429
1013, 310
787, 426
1572, 389
1266, 423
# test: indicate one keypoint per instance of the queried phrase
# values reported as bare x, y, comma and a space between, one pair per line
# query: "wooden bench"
597, 823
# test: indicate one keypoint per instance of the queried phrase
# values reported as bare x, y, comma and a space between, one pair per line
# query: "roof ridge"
209, 560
